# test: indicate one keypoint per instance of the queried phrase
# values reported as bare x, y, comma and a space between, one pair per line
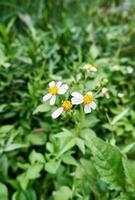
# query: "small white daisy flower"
105, 93
130, 70
66, 105
87, 100
89, 68
53, 90
116, 68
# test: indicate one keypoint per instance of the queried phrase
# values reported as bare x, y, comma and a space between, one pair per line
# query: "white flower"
53, 90
89, 67
130, 70
120, 94
116, 68
87, 100
66, 105
105, 93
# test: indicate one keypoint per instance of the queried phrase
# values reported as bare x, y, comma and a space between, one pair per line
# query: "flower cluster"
59, 88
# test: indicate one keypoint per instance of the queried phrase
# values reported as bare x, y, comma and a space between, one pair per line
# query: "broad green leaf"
36, 138
94, 51
64, 193
108, 162
23, 180
69, 143
129, 167
19, 196
42, 108
3, 192
34, 170
36, 157
52, 166
123, 197
68, 159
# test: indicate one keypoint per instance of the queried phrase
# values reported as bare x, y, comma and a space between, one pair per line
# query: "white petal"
93, 69
52, 100
77, 95
89, 93
63, 89
87, 108
46, 97
93, 105
51, 84
76, 101
57, 113
59, 84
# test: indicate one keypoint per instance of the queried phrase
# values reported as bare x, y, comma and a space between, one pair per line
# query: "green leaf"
64, 193
68, 144
108, 162
120, 116
94, 51
33, 171
42, 108
52, 166
129, 167
68, 159
12, 147
19, 196
23, 180
36, 139
36, 157
123, 197
81, 145
3, 192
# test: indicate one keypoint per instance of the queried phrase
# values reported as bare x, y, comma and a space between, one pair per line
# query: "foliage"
85, 158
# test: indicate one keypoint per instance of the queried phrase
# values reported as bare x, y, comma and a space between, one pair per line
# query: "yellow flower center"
53, 90
67, 105
87, 99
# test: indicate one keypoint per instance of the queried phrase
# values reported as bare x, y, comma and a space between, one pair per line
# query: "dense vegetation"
77, 156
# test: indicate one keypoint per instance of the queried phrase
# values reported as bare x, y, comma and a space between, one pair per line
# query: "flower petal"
93, 105
87, 108
52, 100
76, 101
93, 69
57, 113
63, 89
46, 97
89, 93
51, 84
58, 84
77, 95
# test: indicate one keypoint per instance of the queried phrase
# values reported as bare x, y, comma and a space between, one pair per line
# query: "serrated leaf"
108, 162
129, 168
